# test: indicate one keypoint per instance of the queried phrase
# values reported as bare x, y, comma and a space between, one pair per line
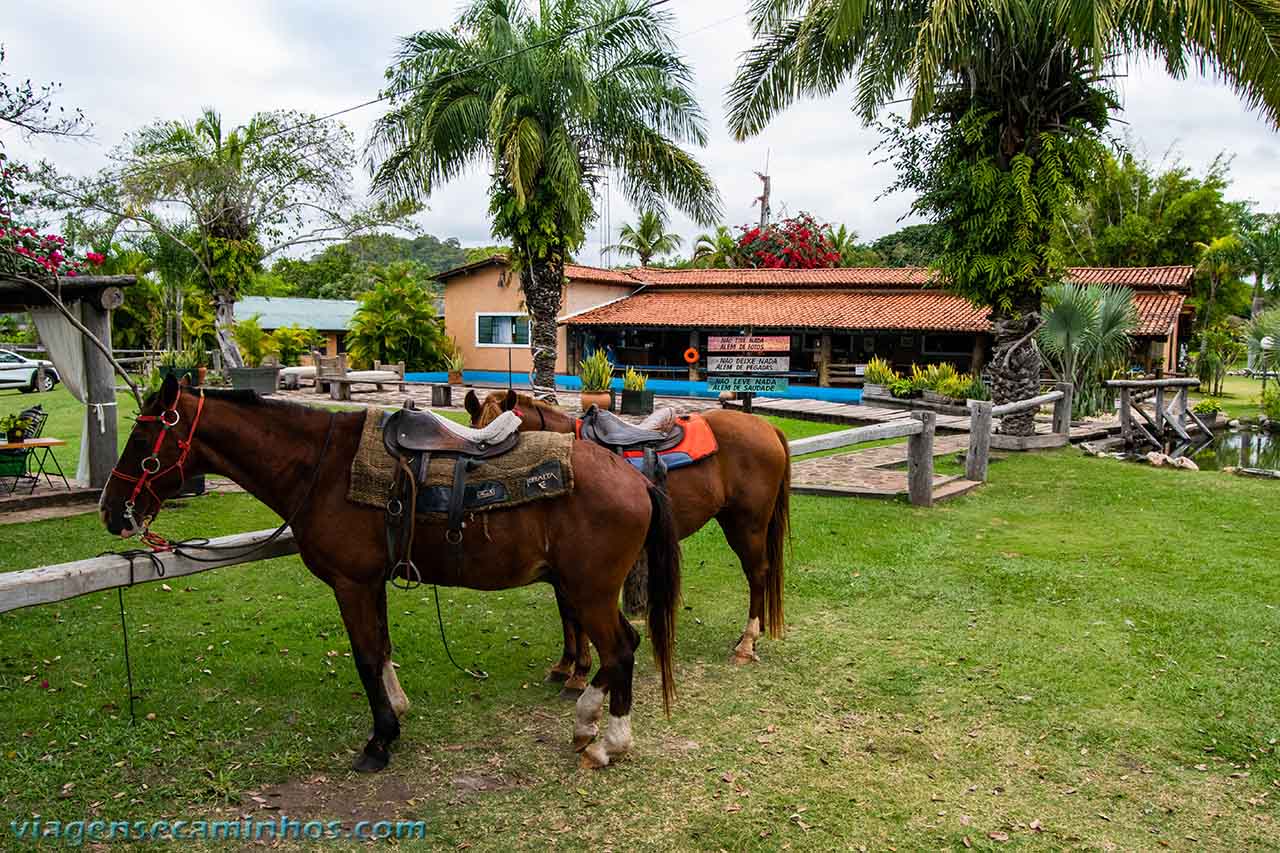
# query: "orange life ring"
691, 356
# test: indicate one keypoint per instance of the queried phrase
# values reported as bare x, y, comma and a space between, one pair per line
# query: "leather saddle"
409, 431
659, 431
413, 438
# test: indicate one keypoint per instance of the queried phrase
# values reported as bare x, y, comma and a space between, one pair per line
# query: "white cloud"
128, 63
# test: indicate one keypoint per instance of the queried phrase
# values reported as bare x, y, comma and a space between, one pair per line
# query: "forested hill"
345, 270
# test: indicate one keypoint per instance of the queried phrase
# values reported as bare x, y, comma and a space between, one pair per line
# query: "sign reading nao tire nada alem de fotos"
748, 384
753, 343
748, 363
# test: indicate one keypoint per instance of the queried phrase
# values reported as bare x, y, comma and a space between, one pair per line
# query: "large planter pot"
874, 389
935, 397
455, 377
260, 379
201, 373
603, 399
637, 402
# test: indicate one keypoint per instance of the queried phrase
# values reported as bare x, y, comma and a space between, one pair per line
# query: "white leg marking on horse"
617, 738
746, 648
590, 704
395, 693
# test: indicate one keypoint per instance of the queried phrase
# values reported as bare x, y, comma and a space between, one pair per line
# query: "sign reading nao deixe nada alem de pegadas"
748, 363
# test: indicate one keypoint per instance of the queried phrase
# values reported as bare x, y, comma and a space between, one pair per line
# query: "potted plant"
14, 426
878, 377
1208, 409
596, 372
453, 363
635, 399
181, 365
934, 380
255, 345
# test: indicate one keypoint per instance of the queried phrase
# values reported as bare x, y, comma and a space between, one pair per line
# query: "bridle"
150, 464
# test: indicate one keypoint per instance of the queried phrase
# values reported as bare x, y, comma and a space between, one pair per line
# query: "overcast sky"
128, 63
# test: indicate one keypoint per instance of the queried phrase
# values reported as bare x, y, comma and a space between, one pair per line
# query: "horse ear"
510, 401
472, 404
169, 390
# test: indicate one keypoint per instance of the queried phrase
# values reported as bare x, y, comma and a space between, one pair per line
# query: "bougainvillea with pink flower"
24, 249
797, 242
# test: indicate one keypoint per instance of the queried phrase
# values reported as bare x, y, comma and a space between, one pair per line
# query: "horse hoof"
739, 659
570, 693
556, 676
371, 762
594, 757
581, 742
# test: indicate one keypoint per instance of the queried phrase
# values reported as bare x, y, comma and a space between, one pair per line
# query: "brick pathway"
867, 473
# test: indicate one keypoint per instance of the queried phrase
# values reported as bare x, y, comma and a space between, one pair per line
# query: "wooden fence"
1166, 418
918, 429
982, 412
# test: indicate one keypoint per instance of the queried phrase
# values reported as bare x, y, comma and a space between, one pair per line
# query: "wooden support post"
824, 359
975, 462
1126, 418
920, 460
1062, 409
693, 342
100, 394
1159, 407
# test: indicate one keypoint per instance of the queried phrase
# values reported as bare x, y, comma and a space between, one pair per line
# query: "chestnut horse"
746, 487
297, 459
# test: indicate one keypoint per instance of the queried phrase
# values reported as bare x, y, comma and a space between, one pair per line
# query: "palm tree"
1262, 336
843, 241
1220, 260
647, 238
549, 101
716, 251
1017, 89
1086, 338
1260, 245
210, 165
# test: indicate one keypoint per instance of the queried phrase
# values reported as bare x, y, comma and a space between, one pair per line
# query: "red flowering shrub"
795, 243
23, 249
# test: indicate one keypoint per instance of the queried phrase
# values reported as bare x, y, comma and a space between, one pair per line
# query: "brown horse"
745, 487
297, 459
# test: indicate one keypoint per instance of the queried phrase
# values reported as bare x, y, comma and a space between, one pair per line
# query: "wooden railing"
1171, 417
981, 413
919, 431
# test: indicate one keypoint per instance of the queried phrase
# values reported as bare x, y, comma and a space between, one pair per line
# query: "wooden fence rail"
919, 430
48, 584
981, 413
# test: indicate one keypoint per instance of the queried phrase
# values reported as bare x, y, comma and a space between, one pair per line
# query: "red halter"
150, 465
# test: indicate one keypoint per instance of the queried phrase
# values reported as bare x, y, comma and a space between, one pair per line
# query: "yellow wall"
478, 292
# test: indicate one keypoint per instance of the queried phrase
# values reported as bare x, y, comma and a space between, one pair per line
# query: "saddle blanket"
698, 443
538, 467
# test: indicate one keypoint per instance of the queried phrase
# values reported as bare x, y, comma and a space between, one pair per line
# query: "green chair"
15, 465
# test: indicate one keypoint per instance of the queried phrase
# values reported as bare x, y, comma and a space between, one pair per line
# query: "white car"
21, 373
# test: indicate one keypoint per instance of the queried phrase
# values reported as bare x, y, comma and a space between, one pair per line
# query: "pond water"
1243, 449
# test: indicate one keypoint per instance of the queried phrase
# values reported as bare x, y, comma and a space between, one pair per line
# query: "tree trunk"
1258, 301
1015, 362
224, 318
543, 285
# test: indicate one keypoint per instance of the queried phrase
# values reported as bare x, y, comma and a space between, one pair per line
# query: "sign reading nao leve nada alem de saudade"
747, 384
748, 363
751, 343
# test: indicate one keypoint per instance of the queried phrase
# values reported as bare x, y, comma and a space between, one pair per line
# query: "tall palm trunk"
543, 284
1015, 362
1259, 301
224, 306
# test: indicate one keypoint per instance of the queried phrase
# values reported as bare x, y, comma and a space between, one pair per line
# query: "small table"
41, 449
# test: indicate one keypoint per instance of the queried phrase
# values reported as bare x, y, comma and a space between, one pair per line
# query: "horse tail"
776, 541
662, 552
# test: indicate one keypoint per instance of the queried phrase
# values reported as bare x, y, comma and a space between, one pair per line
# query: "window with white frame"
502, 330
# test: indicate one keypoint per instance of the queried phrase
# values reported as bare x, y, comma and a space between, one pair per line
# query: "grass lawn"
1082, 654
1240, 396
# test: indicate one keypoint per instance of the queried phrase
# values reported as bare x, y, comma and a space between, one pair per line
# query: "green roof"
323, 315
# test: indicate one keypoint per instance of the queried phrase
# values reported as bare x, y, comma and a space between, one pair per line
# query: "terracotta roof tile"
1135, 277
927, 310
578, 272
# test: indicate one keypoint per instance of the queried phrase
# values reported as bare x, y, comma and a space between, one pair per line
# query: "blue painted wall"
664, 387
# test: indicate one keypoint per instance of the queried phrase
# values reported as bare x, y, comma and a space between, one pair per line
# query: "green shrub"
977, 389
634, 380
1207, 406
1271, 403
902, 388
956, 387
254, 343
880, 372
292, 341
595, 371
